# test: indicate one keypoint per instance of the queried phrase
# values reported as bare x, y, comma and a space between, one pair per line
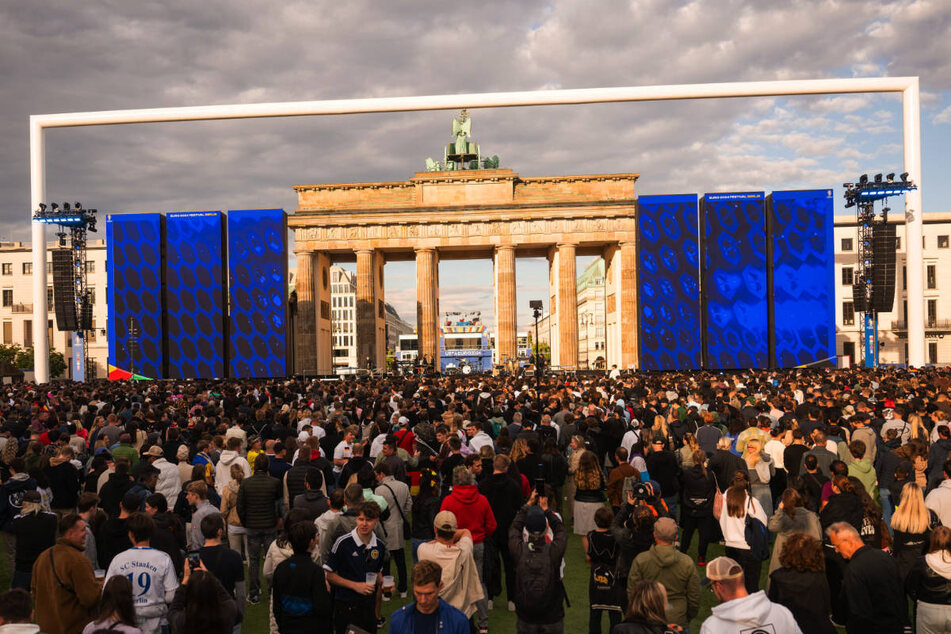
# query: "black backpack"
537, 582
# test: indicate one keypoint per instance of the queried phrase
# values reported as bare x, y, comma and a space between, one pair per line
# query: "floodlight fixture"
878, 178
891, 177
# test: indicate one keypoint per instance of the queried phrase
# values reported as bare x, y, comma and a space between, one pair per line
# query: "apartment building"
893, 326
16, 301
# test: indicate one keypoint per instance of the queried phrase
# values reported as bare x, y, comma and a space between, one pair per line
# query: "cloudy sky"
105, 55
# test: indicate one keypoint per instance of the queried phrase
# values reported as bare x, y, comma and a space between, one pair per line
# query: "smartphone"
540, 486
194, 562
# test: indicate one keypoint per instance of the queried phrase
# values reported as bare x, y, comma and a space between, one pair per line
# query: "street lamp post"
536, 306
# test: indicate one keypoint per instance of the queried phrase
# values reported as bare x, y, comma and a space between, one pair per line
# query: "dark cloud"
103, 55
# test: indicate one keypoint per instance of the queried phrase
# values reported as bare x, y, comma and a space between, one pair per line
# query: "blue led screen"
734, 281
134, 257
803, 260
257, 274
668, 283
194, 295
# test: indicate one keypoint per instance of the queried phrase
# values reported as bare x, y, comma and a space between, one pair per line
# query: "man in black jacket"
540, 596
259, 507
663, 469
312, 501
872, 587
65, 481
11, 501
725, 465
505, 498
301, 601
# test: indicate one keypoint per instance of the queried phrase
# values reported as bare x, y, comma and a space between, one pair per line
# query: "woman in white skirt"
589, 495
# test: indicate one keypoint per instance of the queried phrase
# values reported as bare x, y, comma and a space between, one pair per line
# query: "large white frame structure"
907, 86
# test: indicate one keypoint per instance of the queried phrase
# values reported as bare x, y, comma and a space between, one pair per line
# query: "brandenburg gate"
458, 214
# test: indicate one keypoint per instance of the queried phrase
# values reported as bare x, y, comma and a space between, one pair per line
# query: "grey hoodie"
747, 613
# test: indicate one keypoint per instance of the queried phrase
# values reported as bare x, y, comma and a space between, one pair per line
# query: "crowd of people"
172, 506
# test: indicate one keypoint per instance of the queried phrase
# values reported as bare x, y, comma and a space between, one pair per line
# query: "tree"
8, 354
24, 361
544, 350
57, 363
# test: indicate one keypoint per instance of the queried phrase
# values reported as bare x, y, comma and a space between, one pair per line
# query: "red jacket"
472, 511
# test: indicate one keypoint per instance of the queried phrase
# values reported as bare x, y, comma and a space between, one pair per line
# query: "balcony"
21, 309
933, 324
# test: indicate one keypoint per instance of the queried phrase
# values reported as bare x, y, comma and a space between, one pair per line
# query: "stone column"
305, 337
627, 304
567, 306
427, 303
505, 309
366, 309
323, 314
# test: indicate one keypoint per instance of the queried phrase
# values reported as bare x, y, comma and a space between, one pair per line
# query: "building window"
942, 242
8, 297
904, 278
28, 267
848, 314
8, 332
933, 352
932, 313
90, 267
27, 333
846, 244
92, 333
49, 295
898, 243
7, 268
92, 295
931, 275
847, 276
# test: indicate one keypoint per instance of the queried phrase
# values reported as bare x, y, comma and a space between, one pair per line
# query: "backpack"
536, 582
756, 537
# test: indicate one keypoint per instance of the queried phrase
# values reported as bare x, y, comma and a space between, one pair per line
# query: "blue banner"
803, 286
257, 275
668, 283
734, 281
78, 360
194, 295
134, 272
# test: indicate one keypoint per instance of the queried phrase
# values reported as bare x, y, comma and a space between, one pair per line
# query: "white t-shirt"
153, 579
775, 449
343, 451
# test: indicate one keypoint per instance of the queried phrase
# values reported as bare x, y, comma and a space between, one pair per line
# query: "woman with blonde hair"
646, 610
575, 449
660, 430
589, 495
911, 526
761, 472
237, 534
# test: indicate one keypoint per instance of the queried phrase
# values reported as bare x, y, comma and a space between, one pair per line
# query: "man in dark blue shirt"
354, 570
428, 614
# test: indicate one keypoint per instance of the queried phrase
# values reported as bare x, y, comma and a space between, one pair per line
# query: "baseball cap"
445, 520
535, 521
721, 569
666, 529
156, 451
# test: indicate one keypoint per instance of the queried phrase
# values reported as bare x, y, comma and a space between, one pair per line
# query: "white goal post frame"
911, 127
